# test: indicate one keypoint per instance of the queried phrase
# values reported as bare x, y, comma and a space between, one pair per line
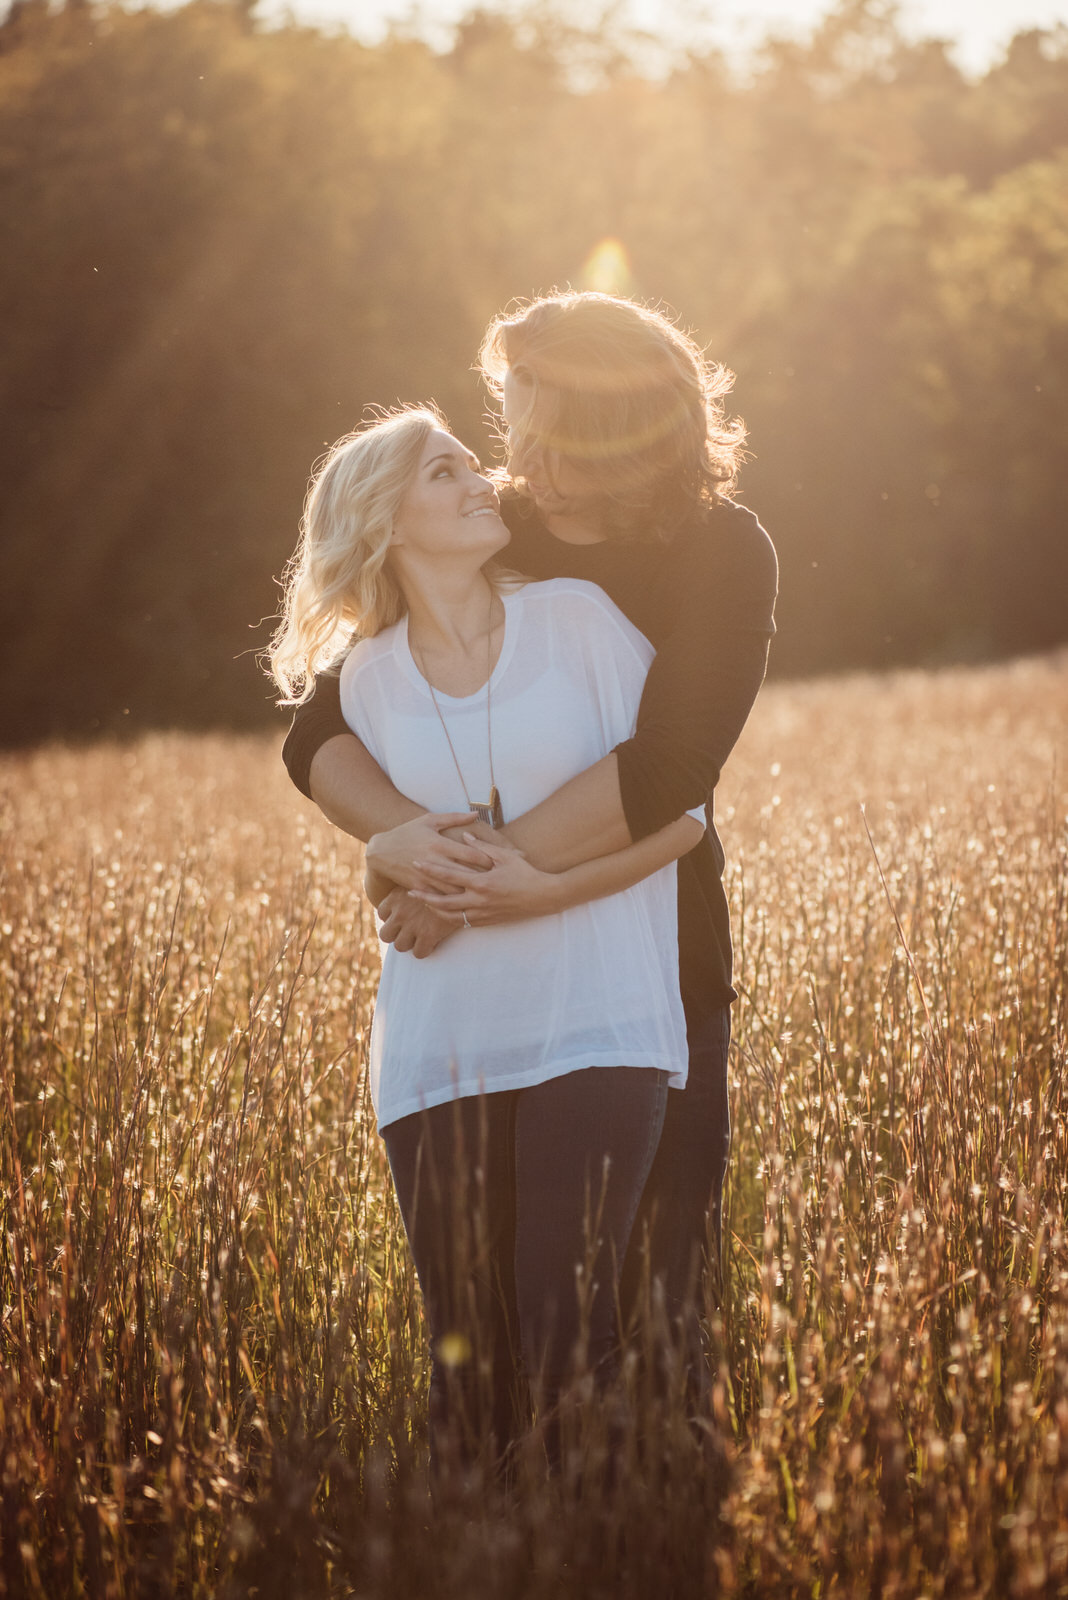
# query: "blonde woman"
520, 1073
623, 469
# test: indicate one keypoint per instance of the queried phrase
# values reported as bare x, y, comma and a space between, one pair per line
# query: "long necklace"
488, 811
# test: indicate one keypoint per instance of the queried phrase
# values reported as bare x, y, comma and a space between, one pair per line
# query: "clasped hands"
444, 871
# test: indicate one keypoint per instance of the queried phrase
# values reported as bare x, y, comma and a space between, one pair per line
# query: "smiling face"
451, 508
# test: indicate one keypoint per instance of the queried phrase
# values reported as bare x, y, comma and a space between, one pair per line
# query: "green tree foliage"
219, 242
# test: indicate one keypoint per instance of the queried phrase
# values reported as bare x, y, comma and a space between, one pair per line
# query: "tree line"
222, 240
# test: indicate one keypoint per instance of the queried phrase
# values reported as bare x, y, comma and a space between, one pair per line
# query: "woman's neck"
451, 615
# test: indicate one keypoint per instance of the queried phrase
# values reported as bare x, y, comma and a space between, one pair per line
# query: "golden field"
212, 1368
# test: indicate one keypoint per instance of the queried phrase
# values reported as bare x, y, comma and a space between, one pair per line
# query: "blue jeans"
680, 1218
518, 1207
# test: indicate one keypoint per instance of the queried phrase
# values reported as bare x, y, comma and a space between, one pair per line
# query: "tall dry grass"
212, 1368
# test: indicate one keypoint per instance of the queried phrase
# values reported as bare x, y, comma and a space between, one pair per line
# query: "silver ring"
464, 915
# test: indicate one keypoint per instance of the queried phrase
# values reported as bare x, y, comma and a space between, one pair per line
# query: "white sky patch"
978, 30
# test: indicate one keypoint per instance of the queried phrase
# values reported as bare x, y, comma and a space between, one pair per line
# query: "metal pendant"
489, 812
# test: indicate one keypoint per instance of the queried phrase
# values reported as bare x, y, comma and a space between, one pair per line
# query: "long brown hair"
626, 397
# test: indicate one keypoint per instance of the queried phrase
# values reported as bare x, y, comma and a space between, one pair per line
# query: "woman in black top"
622, 466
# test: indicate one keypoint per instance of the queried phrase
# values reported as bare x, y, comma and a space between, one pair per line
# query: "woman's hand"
509, 890
393, 855
409, 925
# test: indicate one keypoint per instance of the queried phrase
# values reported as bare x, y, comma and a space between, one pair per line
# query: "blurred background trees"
220, 241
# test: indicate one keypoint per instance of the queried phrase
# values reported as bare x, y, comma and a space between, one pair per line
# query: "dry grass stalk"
212, 1373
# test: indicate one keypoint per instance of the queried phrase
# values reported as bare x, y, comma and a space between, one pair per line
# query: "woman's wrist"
551, 894
376, 885
384, 862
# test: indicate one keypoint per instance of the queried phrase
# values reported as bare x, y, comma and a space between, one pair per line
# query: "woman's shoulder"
369, 653
728, 534
571, 595
725, 560
583, 614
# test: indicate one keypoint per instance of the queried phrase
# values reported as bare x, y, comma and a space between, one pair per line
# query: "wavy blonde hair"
339, 583
624, 395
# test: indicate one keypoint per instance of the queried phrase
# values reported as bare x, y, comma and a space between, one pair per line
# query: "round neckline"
574, 544
512, 607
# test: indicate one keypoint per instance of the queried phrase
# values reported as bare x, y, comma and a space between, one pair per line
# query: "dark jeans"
518, 1207
680, 1218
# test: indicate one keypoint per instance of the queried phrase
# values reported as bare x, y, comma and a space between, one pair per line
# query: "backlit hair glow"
339, 583
620, 393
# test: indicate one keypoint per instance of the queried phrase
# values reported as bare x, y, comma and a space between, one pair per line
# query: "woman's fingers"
392, 853
452, 855
441, 861
445, 876
510, 888
443, 899
456, 884
455, 904
496, 851
460, 903
448, 819
413, 926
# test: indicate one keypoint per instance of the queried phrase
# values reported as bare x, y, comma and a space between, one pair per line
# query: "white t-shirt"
509, 1006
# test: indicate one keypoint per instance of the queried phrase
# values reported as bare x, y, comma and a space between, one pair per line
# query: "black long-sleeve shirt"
706, 603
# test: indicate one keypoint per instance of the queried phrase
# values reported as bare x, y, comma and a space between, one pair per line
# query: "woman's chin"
551, 504
489, 548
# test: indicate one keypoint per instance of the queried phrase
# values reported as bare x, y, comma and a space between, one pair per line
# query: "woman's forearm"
513, 889
611, 874
376, 886
581, 821
353, 792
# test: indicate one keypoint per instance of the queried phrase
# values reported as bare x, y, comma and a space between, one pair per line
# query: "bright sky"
979, 29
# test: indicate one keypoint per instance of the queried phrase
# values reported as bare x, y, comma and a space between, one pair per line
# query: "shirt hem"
528, 1080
